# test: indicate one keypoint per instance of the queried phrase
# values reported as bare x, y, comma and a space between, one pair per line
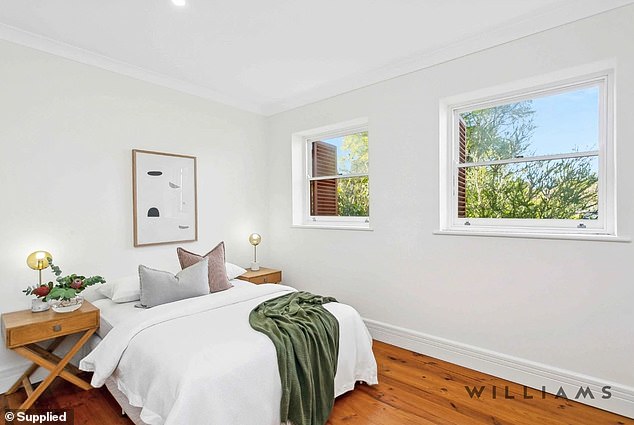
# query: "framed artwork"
165, 198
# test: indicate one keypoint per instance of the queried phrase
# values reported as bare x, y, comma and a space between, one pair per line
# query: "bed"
198, 361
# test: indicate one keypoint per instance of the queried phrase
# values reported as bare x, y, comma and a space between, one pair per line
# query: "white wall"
66, 135
564, 304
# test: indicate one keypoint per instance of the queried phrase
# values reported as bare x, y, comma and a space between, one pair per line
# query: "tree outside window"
532, 159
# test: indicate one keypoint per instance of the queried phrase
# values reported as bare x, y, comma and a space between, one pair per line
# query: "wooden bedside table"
263, 275
23, 329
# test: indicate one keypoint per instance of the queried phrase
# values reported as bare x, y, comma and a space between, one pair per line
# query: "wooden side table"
23, 329
263, 275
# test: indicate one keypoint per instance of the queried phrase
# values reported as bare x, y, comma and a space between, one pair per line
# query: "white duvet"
198, 361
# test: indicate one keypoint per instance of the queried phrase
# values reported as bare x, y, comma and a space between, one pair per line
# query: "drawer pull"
266, 279
57, 328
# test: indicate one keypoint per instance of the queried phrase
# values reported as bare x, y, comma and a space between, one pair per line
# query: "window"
537, 161
336, 181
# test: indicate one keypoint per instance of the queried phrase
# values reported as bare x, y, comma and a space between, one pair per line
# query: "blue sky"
566, 122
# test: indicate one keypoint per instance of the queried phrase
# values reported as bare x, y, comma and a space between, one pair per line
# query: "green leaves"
89, 281
56, 270
353, 197
56, 293
355, 154
500, 132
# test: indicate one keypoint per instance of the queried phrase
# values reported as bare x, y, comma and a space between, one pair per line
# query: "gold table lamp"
255, 239
38, 260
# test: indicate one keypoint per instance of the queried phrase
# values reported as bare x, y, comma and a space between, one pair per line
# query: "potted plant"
63, 295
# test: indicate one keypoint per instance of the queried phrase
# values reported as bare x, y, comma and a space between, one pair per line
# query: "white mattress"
113, 314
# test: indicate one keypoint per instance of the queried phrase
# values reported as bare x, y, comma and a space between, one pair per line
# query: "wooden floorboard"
413, 389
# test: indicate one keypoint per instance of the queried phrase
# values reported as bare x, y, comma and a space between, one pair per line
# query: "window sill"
332, 227
526, 235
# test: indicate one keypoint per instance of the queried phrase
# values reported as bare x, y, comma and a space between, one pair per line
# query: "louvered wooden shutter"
462, 174
323, 193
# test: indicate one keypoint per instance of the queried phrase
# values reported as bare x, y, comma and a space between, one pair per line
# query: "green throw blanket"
306, 338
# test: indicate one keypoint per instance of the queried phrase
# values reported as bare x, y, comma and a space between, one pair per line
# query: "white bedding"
198, 360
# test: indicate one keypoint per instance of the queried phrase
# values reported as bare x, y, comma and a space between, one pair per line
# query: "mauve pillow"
217, 271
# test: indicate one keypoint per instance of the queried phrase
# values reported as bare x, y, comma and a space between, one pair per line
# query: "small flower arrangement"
65, 288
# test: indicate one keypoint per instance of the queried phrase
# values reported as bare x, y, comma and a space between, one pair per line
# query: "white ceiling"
269, 56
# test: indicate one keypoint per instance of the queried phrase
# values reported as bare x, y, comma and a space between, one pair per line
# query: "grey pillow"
159, 287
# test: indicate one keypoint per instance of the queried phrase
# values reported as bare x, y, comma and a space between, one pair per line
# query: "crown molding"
565, 13
77, 54
543, 20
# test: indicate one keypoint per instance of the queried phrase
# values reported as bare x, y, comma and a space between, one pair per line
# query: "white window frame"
301, 166
604, 226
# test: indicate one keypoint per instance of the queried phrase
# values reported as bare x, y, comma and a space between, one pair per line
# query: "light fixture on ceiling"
179, 3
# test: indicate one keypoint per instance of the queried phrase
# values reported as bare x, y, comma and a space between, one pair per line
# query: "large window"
337, 182
533, 162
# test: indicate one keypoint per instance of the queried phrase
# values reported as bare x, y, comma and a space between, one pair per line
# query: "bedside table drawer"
35, 332
269, 278
263, 275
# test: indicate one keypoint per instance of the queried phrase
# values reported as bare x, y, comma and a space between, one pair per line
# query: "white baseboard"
524, 372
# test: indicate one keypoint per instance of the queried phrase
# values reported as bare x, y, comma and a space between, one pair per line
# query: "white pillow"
122, 290
234, 271
92, 293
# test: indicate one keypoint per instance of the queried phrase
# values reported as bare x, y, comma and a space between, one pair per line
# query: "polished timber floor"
413, 389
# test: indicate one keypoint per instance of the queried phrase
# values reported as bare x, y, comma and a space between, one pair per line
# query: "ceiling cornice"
77, 54
570, 11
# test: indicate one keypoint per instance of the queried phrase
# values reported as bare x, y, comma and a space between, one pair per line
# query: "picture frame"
165, 198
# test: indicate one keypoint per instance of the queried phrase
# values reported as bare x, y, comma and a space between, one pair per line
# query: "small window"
337, 181
533, 162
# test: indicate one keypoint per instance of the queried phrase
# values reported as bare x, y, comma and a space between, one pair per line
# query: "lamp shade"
255, 239
38, 260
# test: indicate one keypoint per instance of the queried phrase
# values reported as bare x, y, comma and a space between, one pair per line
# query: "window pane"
556, 124
555, 189
347, 197
340, 156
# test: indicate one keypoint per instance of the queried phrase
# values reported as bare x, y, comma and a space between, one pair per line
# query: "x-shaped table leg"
40, 359
21, 380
